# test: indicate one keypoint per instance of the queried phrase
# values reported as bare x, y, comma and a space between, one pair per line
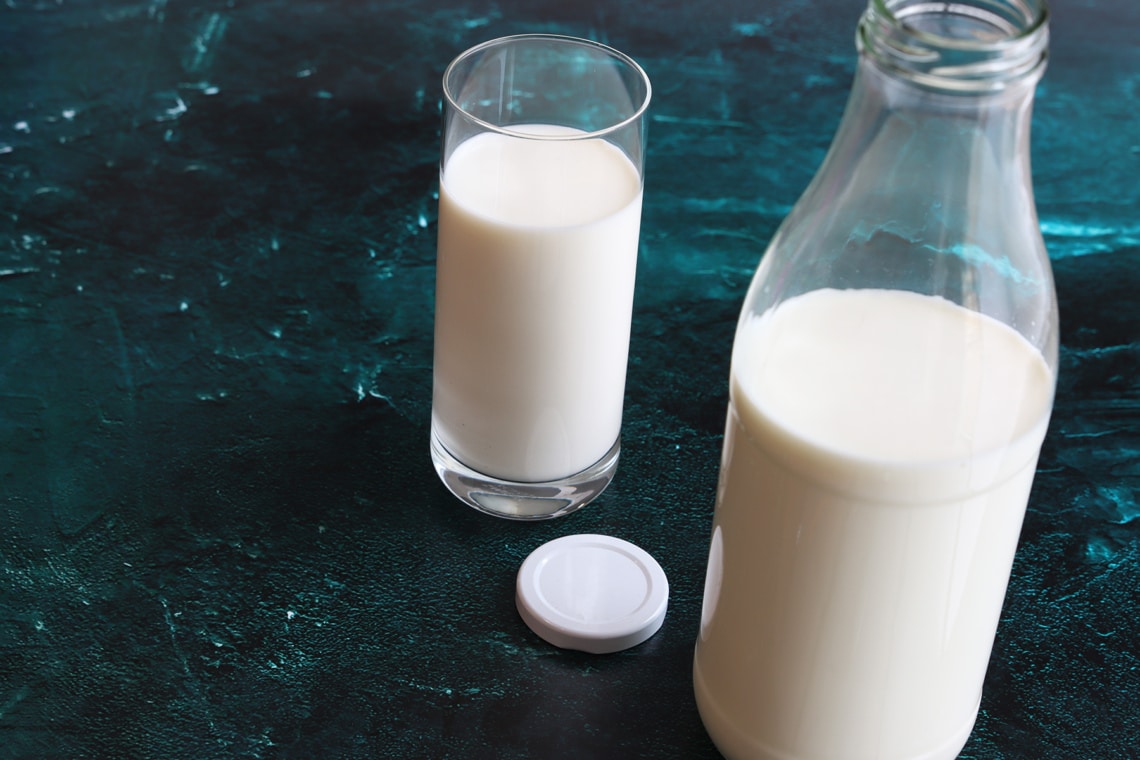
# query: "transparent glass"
892, 379
541, 178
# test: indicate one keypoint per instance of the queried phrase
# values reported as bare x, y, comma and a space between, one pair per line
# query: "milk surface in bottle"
537, 254
861, 548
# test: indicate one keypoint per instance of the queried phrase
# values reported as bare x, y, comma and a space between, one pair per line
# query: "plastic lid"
593, 593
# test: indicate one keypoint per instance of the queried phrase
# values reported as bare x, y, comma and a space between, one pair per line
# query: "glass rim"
564, 39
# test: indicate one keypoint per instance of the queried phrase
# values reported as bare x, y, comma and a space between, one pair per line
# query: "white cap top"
594, 593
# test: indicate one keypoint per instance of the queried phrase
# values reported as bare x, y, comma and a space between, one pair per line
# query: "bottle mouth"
963, 46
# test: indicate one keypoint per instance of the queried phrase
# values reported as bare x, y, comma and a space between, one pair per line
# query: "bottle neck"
927, 186
965, 47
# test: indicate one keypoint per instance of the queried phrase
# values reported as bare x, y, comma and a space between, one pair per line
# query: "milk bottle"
891, 384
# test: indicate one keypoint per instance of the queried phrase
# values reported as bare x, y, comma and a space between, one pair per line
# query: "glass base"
523, 501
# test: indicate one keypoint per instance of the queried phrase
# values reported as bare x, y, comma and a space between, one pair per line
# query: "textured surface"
220, 533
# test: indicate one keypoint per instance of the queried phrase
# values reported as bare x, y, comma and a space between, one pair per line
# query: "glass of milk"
541, 180
891, 384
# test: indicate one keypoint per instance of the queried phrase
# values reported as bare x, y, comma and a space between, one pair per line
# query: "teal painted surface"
220, 532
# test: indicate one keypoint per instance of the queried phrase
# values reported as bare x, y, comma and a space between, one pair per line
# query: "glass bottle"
892, 379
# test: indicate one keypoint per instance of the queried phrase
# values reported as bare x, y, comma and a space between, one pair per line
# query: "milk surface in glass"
879, 451
536, 259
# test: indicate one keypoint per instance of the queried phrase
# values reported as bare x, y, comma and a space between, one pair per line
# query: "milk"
537, 253
878, 455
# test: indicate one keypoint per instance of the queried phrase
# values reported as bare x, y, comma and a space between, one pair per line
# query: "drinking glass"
541, 178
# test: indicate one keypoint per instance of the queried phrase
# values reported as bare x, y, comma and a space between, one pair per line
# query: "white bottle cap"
594, 593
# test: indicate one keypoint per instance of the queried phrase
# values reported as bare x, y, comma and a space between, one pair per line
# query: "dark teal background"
220, 531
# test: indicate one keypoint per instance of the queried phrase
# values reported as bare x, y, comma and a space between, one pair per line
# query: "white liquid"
878, 456
534, 294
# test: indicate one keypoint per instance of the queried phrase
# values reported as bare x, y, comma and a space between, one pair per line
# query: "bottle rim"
896, 34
